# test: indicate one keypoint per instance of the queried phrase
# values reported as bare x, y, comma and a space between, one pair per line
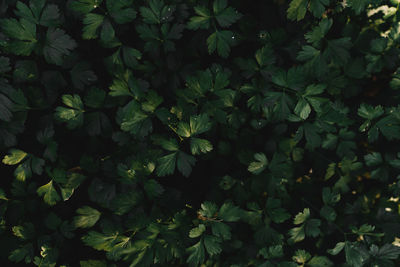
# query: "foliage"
200, 133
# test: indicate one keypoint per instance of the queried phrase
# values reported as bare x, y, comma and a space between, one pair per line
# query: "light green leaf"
297, 234
297, 9
87, 218
183, 129
199, 124
208, 209
197, 231
15, 156
302, 109
301, 217
202, 21
49, 193
198, 146
100, 241
337, 249
301, 256
256, 167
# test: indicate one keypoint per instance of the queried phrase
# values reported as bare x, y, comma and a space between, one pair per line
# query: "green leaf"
198, 146
82, 75
153, 100
368, 112
297, 9
301, 256
297, 234
121, 11
166, 164
183, 129
337, 249
87, 217
301, 217
95, 98
275, 212
58, 46
100, 241
318, 33
93, 263
196, 254
389, 251
220, 41
330, 197
302, 109
320, 261
265, 56
373, 159
24, 34
199, 124
92, 23
353, 256
185, 163
257, 167
312, 227
73, 116
134, 120
224, 15
107, 33
208, 209
202, 21
212, 245
358, 5
338, 50
25, 232
124, 202
229, 213
197, 231
4, 65
84, 6
38, 13
317, 7
221, 230
49, 193
25, 252
15, 157
131, 56
328, 213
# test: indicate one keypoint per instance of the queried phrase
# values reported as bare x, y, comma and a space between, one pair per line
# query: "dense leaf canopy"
200, 133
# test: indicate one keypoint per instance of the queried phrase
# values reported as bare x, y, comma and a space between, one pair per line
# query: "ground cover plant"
199, 133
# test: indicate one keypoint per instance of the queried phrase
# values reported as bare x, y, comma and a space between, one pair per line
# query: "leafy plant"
199, 133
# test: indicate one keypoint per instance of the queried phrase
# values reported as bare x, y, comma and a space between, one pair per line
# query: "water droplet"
95, 6
259, 123
233, 37
169, 9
